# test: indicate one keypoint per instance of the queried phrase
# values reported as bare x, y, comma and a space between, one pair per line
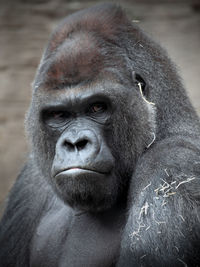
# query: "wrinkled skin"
113, 175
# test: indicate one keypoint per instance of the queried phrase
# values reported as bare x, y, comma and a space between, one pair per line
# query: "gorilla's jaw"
86, 190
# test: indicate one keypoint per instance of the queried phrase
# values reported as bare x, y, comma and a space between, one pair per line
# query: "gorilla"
113, 174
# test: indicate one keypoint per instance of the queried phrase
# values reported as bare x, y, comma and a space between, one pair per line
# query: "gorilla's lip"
74, 170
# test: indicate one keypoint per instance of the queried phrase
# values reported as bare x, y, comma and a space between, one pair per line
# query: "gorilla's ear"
140, 82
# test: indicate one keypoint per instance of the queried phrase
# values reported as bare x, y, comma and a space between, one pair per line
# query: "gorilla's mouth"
78, 171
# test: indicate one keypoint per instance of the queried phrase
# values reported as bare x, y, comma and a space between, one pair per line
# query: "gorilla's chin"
86, 190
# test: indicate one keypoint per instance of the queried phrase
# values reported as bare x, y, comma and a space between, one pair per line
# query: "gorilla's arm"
163, 224
25, 205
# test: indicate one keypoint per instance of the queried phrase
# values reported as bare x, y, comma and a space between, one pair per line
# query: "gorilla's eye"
57, 114
55, 118
98, 107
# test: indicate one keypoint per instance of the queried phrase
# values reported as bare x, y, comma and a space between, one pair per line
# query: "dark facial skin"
83, 166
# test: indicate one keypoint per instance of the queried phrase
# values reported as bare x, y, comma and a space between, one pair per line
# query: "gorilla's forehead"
76, 60
80, 58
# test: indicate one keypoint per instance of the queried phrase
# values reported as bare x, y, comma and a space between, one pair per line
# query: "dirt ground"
25, 26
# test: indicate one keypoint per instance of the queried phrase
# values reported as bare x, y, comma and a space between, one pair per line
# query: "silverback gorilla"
113, 176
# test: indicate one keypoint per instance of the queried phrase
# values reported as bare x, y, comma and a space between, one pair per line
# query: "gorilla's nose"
76, 145
84, 142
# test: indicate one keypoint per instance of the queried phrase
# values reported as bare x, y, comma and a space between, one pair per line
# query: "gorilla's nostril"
72, 146
81, 144
69, 145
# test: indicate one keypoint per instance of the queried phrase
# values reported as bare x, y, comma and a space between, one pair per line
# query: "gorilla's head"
88, 121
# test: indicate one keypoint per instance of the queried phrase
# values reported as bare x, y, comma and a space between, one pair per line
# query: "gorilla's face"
83, 168
88, 139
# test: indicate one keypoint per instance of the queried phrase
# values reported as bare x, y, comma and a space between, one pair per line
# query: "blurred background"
25, 26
